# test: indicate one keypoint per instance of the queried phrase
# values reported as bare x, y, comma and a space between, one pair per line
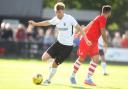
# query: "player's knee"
54, 64
96, 58
45, 56
81, 59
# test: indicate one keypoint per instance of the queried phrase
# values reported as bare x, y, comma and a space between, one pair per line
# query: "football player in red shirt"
93, 31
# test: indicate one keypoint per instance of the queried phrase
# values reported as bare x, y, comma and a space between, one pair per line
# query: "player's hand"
88, 42
29, 29
31, 22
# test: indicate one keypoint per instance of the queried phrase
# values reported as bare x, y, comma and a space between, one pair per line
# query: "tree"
119, 8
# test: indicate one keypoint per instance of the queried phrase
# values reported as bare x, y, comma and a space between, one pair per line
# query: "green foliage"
49, 3
113, 26
119, 8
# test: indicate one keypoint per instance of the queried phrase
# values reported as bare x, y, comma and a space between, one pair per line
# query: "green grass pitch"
17, 74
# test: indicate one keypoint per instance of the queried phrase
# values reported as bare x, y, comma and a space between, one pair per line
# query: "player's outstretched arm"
33, 23
79, 29
42, 23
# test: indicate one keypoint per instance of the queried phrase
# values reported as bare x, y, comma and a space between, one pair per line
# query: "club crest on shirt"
64, 27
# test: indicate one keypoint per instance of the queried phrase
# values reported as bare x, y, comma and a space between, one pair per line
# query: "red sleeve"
102, 22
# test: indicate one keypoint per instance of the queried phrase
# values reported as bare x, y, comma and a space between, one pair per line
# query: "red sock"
76, 66
92, 68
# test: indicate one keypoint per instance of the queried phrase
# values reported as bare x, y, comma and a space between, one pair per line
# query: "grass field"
17, 74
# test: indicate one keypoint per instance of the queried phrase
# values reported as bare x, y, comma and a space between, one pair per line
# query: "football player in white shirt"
61, 49
102, 50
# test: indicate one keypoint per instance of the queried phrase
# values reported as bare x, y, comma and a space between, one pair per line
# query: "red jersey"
93, 28
93, 32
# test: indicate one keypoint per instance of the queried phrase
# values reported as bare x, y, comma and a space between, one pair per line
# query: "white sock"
50, 61
73, 74
103, 64
52, 73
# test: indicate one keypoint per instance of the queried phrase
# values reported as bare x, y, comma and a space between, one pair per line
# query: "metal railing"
25, 49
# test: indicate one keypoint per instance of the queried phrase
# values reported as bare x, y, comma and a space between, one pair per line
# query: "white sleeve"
54, 21
74, 22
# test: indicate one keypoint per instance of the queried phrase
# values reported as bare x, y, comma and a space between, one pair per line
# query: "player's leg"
50, 52
81, 52
94, 54
62, 52
77, 64
53, 70
76, 67
91, 70
103, 61
46, 56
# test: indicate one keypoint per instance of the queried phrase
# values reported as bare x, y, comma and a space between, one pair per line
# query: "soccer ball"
37, 79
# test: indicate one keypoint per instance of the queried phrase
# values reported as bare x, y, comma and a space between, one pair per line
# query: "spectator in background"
40, 35
124, 41
7, 32
1, 29
116, 40
49, 37
77, 37
76, 40
21, 34
30, 37
3, 25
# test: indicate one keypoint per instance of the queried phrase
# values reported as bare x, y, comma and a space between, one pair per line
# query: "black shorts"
101, 52
59, 52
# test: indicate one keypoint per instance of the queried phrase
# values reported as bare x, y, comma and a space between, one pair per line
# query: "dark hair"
106, 8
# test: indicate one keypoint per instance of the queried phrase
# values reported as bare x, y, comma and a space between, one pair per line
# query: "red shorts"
85, 50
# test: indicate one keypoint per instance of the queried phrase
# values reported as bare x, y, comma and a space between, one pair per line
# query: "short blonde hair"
59, 4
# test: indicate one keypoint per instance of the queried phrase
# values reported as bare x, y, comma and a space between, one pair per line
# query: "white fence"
117, 54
